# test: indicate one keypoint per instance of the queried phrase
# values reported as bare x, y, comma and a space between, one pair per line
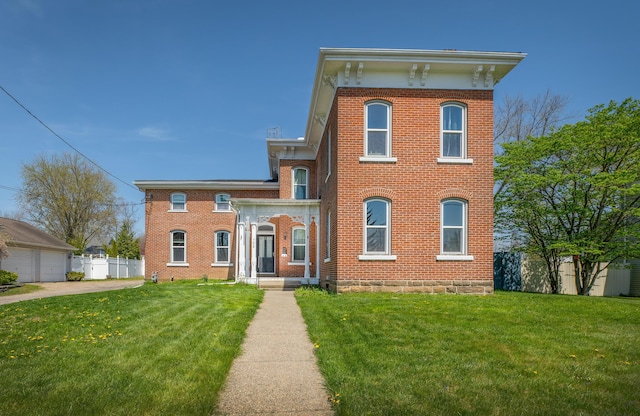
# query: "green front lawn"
507, 354
156, 350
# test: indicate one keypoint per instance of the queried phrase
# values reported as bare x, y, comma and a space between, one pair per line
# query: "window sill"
221, 210
379, 257
378, 159
177, 210
454, 257
178, 264
296, 263
221, 264
327, 260
455, 161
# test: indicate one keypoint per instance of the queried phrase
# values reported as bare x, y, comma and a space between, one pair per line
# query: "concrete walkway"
276, 374
71, 288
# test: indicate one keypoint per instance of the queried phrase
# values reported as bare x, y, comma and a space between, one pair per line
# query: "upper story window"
454, 226
377, 221
178, 247
178, 201
222, 247
298, 244
378, 129
300, 183
222, 202
453, 131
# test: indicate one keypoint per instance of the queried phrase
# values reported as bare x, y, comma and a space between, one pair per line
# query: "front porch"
277, 242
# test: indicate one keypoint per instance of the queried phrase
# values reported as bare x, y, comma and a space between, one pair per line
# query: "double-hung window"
378, 130
453, 134
453, 230
298, 244
178, 247
178, 202
222, 247
222, 202
377, 225
300, 183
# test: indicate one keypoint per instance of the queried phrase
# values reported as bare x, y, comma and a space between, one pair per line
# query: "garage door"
52, 266
21, 261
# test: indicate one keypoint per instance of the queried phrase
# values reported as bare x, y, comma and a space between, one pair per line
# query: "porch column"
307, 274
254, 256
242, 251
317, 220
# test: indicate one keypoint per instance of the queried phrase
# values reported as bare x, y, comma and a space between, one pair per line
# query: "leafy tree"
576, 192
69, 198
125, 244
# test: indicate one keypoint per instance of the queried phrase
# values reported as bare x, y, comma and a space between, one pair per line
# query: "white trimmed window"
328, 243
222, 247
378, 129
178, 247
178, 201
298, 245
453, 140
377, 222
453, 227
300, 183
328, 153
222, 202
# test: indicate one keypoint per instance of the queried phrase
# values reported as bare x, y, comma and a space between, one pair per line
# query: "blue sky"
168, 89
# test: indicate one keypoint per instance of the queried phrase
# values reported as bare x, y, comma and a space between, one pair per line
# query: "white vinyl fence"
97, 268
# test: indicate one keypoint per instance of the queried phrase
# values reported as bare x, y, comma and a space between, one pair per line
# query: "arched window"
222, 247
377, 129
178, 201
453, 226
300, 183
298, 244
453, 134
178, 247
377, 222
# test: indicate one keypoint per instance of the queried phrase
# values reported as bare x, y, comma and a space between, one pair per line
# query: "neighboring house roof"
23, 234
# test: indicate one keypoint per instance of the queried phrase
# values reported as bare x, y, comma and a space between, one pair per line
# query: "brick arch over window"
449, 95
454, 193
389, 100
389, 194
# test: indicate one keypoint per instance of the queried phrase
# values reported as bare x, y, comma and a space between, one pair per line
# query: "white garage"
33, 254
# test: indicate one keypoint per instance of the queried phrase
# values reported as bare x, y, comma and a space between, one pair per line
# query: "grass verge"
21, 290
155, 350
507, 354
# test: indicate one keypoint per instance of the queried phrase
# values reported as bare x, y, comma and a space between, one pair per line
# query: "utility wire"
65, 142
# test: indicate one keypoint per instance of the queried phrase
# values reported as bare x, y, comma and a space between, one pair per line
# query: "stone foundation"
467, 287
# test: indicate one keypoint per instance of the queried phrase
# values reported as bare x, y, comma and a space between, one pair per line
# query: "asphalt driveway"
72, 288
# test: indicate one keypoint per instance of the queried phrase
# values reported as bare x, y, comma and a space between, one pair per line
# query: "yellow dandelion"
316, 345
572, 356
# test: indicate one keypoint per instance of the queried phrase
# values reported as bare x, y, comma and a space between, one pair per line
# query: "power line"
63, 140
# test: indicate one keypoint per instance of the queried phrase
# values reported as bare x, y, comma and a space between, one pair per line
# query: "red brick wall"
415, 184
200, 223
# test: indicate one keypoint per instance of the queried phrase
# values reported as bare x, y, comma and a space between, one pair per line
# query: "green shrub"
75, 276
7, 277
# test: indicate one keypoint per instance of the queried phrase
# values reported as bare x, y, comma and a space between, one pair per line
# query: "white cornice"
204, 184
389, 68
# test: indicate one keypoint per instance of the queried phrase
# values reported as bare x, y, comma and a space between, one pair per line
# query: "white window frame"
223, 203
293, 182
386, 253
294, 245
328, 242
172, 246
462, 254
386, 158
328, 155
184, 203
462, 131
216, 261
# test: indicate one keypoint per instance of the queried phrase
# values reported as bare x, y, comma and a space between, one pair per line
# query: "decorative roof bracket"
476, 75
320, 118
425, 72
347, 69
488, 78
412, 73
359, 75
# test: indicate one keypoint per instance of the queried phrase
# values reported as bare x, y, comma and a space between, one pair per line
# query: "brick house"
390, 189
